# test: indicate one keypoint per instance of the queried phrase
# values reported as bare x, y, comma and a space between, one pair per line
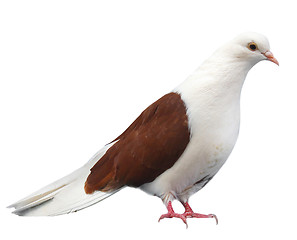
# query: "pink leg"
190, 214
172, 214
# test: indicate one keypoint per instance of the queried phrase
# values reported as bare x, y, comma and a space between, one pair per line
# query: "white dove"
176, 145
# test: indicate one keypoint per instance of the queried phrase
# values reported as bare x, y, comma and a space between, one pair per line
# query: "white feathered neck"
213, 89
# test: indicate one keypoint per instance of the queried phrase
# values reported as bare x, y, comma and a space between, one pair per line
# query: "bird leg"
172, 214
190, 214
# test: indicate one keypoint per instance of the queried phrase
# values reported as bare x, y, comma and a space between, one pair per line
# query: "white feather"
63, 196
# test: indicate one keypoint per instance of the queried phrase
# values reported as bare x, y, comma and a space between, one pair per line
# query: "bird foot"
198, 215
190, 214
187, 214
175, 215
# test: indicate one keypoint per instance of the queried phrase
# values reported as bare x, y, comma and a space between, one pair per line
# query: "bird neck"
214, 89
217, 78
228, 72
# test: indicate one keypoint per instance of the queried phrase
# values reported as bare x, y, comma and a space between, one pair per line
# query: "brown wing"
148, 147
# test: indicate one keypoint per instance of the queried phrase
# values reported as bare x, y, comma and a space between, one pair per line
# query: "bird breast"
214, 130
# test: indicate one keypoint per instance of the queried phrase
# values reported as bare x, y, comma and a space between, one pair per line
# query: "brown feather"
147, 148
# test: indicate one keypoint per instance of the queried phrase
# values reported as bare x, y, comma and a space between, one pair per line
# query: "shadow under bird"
174, 148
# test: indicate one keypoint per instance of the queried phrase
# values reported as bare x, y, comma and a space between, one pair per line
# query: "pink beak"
270, 57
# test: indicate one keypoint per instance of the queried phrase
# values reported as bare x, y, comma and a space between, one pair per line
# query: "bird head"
252, 47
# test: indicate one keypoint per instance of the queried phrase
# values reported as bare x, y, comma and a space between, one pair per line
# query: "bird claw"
215, 217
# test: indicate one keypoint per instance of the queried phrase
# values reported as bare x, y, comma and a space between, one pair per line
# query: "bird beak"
270, 57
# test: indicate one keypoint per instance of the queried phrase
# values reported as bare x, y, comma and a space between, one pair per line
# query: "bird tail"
63, 196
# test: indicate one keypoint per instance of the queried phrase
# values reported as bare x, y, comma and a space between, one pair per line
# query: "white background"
75, 74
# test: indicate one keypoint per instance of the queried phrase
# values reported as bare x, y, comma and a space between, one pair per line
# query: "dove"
175, 146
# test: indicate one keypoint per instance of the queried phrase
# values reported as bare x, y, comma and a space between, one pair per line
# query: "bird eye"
252, 46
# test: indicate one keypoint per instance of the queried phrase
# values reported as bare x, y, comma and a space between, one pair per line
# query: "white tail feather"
63, 196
